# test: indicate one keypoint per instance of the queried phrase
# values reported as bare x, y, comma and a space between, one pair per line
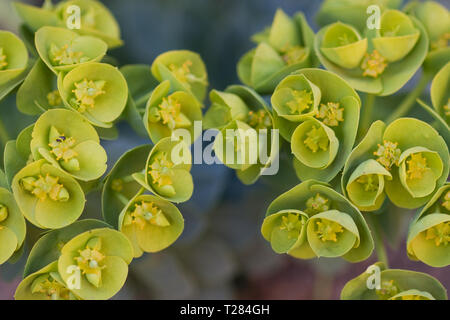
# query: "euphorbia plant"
429, 233
395, 284
285, 46
408, 160
312, 220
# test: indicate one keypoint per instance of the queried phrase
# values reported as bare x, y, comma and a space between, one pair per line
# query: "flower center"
184, 75
373, 64
328, 230
86, 92
417, 165
47, 285
330, 114
62, 147
65, 55
293, 54
440, 234
369, 181
146, 212
388, 154
90, 261
302, 100
161, 170
3, 212
54, 98
43, 187
169, 112
316, 138
317, 204
388, 289
259, 119
446, 203
3, 62
293, 224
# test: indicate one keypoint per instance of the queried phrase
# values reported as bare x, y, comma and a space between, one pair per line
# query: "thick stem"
367, 112
409, 101
380, 247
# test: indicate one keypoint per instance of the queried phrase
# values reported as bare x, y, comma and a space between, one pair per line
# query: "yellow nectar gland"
317, 204
442, 42
373, 64
316, 138
388, 154
293, 54
86, 92
3, 62
328, 230
303, 100
54, 98
259, 119
169, 112
43, 188
330, 114
90, 261
293, 224
416, 166
388, 290
184, 75
369, 181
447, 108
54, 290
440, 234
160, 170
146, 212
65, 55
446, 203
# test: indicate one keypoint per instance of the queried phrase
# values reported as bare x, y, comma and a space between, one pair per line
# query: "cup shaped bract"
184, 69
167, 111
62, 49
103, 256
13, 56
394, 284
12, 226
68, 141
150, 223
98, 91
48, 197
167, 171
343, 45
96, 20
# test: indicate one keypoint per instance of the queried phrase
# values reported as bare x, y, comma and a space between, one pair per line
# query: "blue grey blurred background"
221, 253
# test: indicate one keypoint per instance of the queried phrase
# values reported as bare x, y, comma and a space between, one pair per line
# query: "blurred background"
221, 254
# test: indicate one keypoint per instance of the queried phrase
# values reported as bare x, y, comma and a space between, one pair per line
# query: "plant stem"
409, 101
380, 248
4, 136
367, 111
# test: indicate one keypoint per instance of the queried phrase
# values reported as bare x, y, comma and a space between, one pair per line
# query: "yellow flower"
417, 165
85, 93
327, 230
373, 64
440, 233
330, 114
303, 100
316, 138
388, 154
65, 55
3, 62
160, 170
